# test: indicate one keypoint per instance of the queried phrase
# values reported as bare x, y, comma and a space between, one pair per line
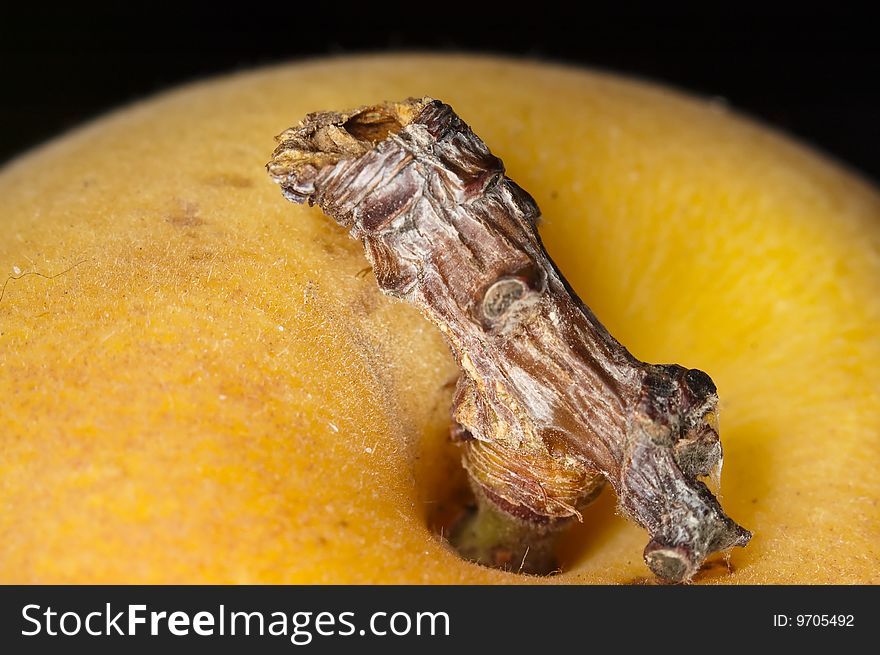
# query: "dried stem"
549, 405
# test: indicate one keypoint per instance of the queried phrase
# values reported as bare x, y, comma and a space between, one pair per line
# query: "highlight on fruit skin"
549, 405
219, 392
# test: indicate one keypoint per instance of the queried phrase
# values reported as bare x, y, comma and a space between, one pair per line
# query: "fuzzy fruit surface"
217, 392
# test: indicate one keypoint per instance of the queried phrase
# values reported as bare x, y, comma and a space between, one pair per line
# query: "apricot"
200, 382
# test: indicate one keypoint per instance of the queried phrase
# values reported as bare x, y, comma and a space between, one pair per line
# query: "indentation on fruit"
441, 482
449, 504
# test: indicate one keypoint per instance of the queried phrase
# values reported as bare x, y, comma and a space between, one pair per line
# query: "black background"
814, 72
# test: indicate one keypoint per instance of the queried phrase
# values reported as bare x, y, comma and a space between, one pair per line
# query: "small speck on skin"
333, 426
222, 396
16, 270
185, 214
368, 450
309, 292
281, 328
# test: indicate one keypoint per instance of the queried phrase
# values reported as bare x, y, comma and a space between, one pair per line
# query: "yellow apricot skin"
217, 392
